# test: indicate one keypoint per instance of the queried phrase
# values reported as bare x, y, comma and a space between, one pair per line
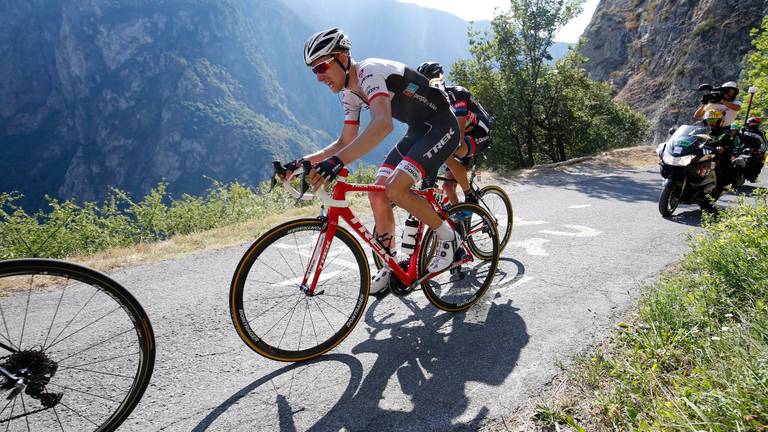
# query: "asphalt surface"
585, 243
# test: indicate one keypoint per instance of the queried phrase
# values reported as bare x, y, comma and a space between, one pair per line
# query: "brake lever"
279, 170
306, 167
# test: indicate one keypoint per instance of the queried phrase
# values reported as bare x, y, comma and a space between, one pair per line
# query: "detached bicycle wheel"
270, 309
78, 349
497, 203
459, 288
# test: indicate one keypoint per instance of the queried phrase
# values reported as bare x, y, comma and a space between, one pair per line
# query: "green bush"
697, 356
67, 229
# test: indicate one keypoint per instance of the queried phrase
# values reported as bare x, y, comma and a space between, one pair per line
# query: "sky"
483, 10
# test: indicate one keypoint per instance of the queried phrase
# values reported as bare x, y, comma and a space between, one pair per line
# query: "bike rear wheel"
271, 311
79, 342
457, 289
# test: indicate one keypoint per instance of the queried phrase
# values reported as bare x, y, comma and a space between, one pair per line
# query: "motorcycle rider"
726, 99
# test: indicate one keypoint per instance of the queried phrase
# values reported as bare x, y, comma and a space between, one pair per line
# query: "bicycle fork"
317, 260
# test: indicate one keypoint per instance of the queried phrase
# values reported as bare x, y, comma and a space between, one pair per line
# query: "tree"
541, 111
757, 70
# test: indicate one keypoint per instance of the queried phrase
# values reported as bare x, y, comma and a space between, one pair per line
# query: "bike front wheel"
79, 349
272, 311
459, 288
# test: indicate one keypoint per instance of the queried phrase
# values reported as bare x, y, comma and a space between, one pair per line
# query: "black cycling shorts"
424, 148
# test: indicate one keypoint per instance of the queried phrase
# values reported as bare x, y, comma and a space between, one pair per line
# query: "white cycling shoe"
380, 281
446, 250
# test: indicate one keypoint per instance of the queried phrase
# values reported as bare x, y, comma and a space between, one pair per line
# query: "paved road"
585, 242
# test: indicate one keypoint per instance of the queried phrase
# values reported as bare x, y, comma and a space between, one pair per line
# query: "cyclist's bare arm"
379, 127
348, 134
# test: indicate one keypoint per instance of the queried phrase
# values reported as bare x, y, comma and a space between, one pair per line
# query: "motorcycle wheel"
669, 199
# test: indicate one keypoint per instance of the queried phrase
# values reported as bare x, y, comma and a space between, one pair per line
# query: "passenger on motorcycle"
726, 100
722, 143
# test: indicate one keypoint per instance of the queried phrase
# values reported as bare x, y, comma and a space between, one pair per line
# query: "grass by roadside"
121, 231
695, 358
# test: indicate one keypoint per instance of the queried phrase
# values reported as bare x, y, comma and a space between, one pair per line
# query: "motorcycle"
688, 165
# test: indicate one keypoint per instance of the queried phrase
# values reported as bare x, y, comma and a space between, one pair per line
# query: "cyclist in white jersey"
391, 90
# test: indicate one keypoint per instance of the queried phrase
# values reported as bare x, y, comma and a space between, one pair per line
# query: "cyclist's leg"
381, 205
450, 186
457, 170
423, 159
383, 215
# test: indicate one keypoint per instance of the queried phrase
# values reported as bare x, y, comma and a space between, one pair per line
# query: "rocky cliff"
100, 93
656, 52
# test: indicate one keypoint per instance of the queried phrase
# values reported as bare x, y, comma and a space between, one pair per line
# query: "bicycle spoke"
281, 318
10, 416
323, 314
98, 361
296, 242
84, 392
55, 313
26, 311
101, 373
6, 406
24, 409
274, 306
286, 263
84, 327
271, 268
293, 309
95, 345
56, 413
303, 321
77, 413
332, 307
7, 338
95, 291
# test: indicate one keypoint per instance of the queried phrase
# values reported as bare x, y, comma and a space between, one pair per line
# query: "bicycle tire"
256, 338
28, 269
504, 232
430, 287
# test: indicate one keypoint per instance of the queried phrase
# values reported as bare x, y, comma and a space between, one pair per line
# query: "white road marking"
580, 206
579, 231
518, 221
532, 246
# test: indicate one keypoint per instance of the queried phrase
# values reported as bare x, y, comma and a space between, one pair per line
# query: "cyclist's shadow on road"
428, 364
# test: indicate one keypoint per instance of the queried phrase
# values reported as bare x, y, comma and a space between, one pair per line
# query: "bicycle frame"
323, 243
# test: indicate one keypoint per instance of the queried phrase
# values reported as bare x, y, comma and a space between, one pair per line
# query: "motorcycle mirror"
704, 87
752, 90
672, 130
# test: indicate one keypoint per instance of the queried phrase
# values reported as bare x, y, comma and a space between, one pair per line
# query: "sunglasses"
322, 67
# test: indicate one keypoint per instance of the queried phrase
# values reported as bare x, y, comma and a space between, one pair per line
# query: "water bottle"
408, 241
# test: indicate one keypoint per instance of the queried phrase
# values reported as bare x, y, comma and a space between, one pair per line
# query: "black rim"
80, 345
271, 312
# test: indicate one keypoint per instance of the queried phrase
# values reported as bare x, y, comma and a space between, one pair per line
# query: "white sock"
444, 232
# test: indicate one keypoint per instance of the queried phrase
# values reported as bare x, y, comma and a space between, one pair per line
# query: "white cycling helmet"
325, 43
